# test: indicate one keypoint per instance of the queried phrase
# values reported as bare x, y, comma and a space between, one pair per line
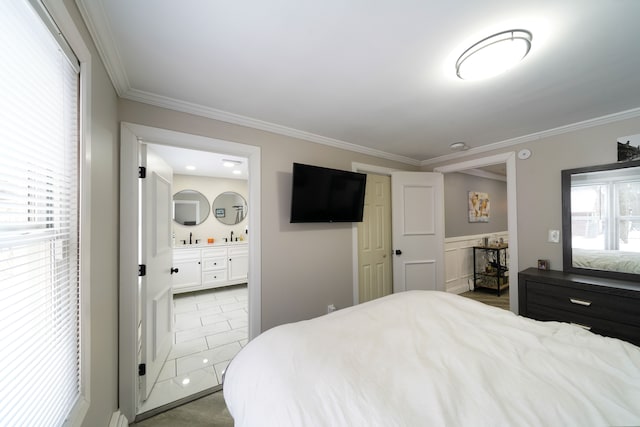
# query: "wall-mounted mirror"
601, 220
190, 207
230, 208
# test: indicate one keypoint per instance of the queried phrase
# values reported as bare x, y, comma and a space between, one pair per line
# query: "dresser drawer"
600, 326
590, 304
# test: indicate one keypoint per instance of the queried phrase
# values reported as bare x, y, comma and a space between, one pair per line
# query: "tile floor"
210, 328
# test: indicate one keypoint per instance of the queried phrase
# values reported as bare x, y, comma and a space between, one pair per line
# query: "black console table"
490, 268
604, 306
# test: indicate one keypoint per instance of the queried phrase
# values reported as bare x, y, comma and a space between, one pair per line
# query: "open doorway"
209, 290
507, 162
133, 137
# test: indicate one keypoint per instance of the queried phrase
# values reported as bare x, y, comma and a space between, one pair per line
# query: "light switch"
554, 236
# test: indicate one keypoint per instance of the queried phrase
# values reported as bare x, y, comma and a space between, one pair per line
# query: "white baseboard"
458, 289
118, 420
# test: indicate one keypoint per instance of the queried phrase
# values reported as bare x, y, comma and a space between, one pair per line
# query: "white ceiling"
201, 163
375, 76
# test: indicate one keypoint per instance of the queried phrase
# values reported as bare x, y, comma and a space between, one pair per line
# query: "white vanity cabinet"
214, 267
238, 262
209, 266
187, 261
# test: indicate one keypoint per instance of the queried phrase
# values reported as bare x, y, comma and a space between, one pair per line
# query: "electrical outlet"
554, 236
331, 308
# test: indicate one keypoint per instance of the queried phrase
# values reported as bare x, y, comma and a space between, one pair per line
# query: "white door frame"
130, 135
512, 212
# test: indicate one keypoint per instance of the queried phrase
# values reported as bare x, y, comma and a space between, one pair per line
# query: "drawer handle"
580, 302
585, 327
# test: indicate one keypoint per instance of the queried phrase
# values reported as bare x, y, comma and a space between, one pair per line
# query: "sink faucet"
231, 240
190, 238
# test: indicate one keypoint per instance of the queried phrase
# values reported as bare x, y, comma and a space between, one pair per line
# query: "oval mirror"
190, 207
230, 208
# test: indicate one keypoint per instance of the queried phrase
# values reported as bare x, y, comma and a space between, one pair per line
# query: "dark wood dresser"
604, 306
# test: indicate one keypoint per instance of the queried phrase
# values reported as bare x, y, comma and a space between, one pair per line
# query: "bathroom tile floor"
210, 328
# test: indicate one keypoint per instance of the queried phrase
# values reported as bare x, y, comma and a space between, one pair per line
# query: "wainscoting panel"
458, 260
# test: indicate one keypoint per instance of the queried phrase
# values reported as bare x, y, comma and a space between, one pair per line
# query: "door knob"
398, 252
174, 270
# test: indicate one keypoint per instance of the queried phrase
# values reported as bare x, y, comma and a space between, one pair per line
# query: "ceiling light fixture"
459, 146
494, 55
231, 163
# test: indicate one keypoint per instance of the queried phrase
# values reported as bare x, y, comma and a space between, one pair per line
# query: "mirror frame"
567, 251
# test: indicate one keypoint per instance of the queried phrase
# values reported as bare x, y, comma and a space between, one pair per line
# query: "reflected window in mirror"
601, 220
190, 207
230, 208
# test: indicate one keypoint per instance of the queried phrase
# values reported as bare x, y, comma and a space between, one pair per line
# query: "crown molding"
224, 116
610, 118
95, 18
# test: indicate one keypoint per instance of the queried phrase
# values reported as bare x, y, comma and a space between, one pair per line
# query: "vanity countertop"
210, 245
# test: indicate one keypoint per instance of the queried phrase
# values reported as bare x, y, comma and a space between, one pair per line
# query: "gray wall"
456, 196
539, 201
305, 267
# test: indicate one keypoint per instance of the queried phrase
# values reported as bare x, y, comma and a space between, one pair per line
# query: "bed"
428, 358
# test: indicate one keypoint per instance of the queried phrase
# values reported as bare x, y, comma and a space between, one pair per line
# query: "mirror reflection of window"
190, 207
606, 216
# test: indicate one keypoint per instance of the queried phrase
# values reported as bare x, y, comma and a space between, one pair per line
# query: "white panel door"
157, 254
418, 231
374, 240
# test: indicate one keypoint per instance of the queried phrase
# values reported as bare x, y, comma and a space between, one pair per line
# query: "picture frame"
628, 148
220, 213
479, 206
543, 264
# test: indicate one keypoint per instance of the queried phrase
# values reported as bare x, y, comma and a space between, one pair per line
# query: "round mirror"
190, 207
230, 208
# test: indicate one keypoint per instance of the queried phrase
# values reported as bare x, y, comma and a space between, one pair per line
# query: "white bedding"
625, 262
426, 358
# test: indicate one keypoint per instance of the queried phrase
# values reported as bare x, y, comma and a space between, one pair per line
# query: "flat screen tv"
326, 195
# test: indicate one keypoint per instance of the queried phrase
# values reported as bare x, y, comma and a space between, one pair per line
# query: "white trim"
485, 174
512, 210
585, 124
70, 32
212, 113
103, 39
130, 135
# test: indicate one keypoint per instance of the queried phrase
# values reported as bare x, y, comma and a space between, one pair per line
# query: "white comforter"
426, 358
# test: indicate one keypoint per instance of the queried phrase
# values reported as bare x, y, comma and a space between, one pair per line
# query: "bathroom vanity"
209, 266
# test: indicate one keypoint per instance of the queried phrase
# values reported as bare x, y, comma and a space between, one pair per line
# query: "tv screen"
326, 195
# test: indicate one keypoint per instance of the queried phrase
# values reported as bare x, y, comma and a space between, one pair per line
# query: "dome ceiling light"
493, 55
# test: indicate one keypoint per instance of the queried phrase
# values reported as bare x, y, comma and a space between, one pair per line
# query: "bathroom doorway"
223, 297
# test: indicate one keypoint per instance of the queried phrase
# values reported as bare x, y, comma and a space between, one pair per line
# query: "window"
39, 221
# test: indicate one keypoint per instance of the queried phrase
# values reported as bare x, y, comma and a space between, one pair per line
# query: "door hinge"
142, 172
142, 270
142, 369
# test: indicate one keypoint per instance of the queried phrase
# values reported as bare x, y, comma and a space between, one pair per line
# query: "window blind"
39, 222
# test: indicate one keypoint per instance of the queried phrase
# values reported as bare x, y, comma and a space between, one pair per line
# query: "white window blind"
39, 222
